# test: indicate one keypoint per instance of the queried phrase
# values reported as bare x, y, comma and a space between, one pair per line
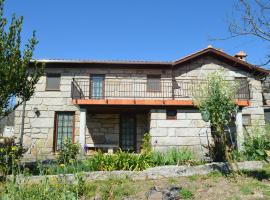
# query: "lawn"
249, 185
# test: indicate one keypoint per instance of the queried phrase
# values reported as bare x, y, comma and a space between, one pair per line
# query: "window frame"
103, 86
242, 80
153, 76
55, 132
133, 116
58, 75
170, 117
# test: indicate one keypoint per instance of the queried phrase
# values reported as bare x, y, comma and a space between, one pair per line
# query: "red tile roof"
177, 63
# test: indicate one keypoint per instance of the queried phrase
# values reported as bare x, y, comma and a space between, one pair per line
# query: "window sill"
51, 90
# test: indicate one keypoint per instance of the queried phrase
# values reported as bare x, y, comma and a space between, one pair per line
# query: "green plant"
173, 156
146, 143
119, 161
10, 156
68, 153
186, 194
256, 145
216, 102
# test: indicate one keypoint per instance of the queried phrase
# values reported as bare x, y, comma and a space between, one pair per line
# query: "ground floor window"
128, 132
64, 128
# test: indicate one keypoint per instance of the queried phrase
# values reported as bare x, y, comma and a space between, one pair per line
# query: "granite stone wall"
199, 69
105, 129
187, 131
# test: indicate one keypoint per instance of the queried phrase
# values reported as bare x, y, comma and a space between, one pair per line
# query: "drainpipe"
22, 124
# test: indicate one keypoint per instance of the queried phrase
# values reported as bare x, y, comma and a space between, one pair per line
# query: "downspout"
22, 124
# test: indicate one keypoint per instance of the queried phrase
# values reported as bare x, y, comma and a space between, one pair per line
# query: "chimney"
241, 55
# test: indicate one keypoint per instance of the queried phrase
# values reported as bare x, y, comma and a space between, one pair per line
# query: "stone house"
111, 104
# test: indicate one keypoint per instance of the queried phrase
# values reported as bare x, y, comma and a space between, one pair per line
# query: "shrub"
216, 102
256, 144
10, 155
68, 152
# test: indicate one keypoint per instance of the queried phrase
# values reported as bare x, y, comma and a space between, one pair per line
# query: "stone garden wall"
170, 171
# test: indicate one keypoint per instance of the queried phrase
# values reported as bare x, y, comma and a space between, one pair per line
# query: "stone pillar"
239, 130
82, 127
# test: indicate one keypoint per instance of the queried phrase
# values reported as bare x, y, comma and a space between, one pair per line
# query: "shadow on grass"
259, 174
262, 174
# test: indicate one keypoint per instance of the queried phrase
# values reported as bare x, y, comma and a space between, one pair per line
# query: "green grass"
116, 188
59, 188
186, 194
246, 189
194, 187
194, 177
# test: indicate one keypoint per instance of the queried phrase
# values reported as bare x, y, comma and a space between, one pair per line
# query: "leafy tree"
17, 79
217, 105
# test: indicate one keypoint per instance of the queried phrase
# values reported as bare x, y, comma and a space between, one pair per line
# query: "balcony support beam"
239, 130
82, 128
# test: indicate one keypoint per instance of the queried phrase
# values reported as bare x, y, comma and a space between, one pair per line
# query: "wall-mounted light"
36, 111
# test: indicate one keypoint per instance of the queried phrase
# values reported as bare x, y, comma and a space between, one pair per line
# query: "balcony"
134, 91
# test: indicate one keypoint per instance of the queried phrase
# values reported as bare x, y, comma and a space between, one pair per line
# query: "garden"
18, 182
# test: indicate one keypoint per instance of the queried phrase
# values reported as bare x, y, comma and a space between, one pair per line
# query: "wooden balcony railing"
141, 89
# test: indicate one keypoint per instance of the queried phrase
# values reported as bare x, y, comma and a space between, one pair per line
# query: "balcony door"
128, 132
97, 86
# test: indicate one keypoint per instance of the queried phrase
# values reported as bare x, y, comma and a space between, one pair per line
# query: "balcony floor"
144, 102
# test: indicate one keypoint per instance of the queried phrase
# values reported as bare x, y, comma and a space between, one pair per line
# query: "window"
64, 128
243, 91
171, 114
267, 116
53, 82
153, 83
97, 86
128, 132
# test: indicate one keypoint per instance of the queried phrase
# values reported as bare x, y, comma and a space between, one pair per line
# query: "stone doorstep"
156, 172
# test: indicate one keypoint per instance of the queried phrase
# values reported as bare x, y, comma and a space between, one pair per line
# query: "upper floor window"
154, 83
243, 88
53, 81
97, 86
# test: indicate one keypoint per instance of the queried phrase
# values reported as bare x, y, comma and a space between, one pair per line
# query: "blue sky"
155, 30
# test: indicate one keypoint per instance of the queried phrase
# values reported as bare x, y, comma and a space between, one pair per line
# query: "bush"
256, 144
68, 152
10, 155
